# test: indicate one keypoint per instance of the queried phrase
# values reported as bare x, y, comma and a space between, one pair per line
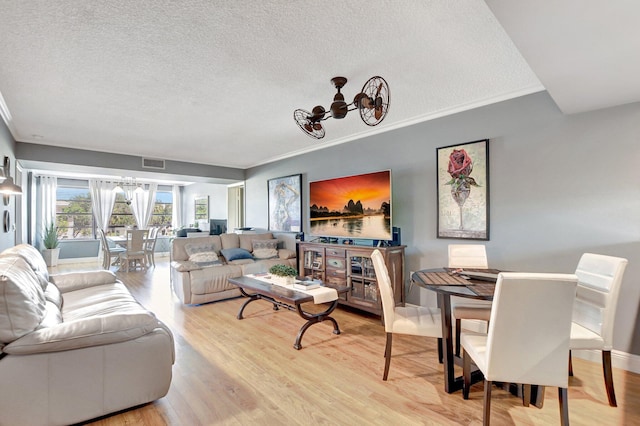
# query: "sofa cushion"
22, 300
53, 295
286, 254
34, 259
72, 281
185, 266
246, 240
265, 249
94, 331
232, 254
212, 280
230, 241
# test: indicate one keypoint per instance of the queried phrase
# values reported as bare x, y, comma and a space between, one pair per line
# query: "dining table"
476, 284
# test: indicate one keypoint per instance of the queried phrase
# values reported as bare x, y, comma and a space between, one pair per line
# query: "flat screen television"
357, 207
217, 226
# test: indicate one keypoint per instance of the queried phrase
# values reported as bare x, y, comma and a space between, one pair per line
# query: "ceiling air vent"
152, 163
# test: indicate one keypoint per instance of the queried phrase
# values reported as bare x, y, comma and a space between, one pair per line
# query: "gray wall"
559, 186
7, 147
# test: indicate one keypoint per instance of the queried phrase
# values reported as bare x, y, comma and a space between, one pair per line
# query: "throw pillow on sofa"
206, 258
204, 254
232, 254
265, 249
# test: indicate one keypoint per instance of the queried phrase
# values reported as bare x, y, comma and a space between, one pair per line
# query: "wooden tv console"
351, 266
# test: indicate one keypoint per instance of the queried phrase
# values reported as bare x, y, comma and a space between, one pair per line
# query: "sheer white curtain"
103, 197
142, 205
48, 188
176, 211
45, 211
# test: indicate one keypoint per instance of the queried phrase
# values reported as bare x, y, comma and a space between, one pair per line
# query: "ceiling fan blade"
378, 112
379, 89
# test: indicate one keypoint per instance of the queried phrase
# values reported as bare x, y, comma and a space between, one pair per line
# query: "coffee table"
289, 298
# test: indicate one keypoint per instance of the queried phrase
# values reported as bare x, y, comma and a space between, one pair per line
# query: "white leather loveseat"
75, 348
201, 266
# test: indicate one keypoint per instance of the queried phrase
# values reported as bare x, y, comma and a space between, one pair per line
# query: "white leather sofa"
201, 266
74, 346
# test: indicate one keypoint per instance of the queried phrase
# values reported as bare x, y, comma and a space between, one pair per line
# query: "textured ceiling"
216, 82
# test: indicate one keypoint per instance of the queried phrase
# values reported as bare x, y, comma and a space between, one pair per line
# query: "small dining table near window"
468, 283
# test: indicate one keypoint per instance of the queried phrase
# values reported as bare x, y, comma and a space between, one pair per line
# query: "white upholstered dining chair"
594, 310
150, 246
134, 254
408, 319
109, 251
468, 256
528, 337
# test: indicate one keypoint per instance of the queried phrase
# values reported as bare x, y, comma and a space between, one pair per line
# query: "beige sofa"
74, 346
201, 266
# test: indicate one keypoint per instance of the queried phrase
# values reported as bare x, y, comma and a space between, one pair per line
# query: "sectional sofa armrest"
286, 254
78, 280
95, 331
185, 266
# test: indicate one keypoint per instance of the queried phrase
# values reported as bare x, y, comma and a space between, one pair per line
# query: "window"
74, 216
162, 212
73, 212
202, 208
121, 216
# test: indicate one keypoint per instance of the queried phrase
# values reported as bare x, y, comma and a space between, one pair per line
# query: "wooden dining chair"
109, 251
468, 256
408, 319
594, 310
528, 337
134, 254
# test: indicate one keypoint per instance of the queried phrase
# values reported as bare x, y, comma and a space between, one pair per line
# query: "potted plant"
50, 241
283, 274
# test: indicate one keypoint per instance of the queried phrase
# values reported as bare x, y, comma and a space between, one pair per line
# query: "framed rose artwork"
463, 190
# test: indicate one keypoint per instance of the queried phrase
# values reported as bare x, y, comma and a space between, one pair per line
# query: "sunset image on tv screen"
352, 206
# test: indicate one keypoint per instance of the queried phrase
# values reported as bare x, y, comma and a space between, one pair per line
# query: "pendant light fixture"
7, 187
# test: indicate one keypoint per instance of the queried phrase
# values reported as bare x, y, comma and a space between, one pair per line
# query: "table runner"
320, 294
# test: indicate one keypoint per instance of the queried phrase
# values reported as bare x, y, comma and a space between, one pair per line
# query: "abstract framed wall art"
285, 204
463, 190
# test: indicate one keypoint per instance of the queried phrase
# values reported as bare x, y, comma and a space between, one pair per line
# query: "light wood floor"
231, 372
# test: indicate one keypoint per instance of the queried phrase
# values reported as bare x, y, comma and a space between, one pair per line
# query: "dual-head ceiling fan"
372, 103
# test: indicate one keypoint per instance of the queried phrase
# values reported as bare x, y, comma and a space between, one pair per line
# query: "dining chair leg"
526, 395
440, 352
458, 327
486, 410
466, 373
563, 400
570, 365
608, 377
387, 356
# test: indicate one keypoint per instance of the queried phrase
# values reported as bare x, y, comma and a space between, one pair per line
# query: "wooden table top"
446, 282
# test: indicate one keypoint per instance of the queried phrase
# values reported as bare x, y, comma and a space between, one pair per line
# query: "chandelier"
372, 103
129, 187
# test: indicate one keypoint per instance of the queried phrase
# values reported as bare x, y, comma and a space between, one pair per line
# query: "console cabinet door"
312, 262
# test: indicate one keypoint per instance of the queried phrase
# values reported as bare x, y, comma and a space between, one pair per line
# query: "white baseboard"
619, 359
